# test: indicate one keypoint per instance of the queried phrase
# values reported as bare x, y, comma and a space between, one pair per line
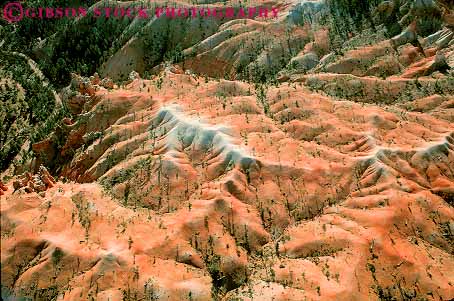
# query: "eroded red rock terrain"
337, 183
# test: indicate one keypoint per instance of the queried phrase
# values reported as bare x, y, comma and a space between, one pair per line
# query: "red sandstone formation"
3, 188
39, 182
335, 184
206, 194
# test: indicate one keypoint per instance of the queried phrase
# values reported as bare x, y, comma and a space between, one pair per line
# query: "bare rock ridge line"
308, 157
359, 190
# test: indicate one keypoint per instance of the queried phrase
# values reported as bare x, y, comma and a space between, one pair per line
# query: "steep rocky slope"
260, 161
210, 190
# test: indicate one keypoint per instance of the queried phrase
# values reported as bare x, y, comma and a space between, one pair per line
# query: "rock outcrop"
38, 182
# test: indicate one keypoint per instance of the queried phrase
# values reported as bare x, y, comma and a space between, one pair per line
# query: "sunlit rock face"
333, 181
195, 177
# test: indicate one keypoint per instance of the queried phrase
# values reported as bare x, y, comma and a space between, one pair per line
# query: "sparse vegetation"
305, 157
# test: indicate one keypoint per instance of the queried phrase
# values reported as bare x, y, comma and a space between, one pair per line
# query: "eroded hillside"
315, 172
